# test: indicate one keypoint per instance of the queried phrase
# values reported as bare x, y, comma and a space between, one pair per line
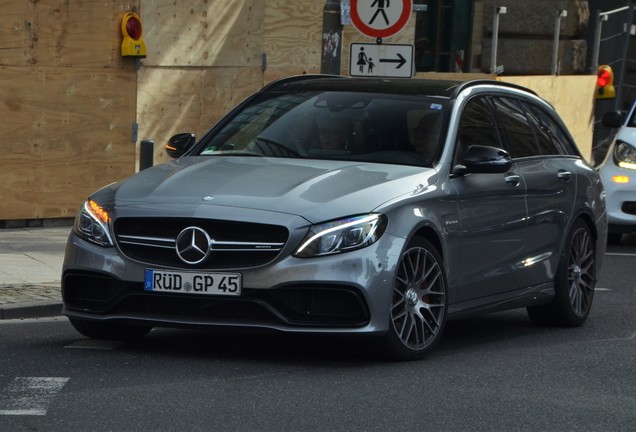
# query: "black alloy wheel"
574, 282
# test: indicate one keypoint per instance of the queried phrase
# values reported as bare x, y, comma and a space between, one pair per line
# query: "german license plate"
226, 284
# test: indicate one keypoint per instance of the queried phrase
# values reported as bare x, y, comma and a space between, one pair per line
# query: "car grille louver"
235, 244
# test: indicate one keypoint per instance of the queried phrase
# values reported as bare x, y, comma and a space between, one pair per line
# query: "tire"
574, 282
109, 330
418, 303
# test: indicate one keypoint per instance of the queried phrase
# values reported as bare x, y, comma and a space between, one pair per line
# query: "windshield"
353, 126
632, 119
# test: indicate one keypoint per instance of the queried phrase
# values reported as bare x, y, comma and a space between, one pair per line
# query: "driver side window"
476, 127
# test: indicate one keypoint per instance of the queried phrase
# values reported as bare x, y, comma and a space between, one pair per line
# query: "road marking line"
602, 289
30, 395
627, 338
620, 254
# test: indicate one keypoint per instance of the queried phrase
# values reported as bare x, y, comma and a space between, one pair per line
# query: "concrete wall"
526, 34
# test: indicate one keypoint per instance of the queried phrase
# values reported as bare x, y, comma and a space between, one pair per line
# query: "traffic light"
133, 44
605, 83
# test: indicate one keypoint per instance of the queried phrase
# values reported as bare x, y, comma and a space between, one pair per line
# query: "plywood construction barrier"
70, 103
205, 57
67, 104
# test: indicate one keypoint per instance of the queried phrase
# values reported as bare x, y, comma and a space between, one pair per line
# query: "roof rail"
464, 85
282, 81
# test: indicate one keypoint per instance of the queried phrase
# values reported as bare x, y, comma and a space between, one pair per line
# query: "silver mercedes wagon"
334, 205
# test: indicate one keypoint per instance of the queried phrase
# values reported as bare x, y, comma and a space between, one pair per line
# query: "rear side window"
552, 130
515, 127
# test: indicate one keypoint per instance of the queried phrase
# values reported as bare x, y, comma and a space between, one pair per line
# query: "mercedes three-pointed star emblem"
193, 245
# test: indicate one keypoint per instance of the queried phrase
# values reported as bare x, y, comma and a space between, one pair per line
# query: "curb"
25, 310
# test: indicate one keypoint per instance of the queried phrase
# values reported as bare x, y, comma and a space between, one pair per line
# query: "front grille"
306, 305
234, 244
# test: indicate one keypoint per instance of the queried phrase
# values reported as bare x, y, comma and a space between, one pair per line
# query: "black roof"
414, 86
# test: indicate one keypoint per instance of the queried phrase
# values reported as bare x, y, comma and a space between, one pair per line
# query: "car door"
550, 178
492, 214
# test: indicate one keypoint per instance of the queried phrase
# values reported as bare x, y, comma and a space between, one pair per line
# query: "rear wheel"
109, 330
418, 305
574, 282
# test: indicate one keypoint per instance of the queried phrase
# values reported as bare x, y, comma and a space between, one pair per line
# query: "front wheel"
574, 282
419, 301
109, 330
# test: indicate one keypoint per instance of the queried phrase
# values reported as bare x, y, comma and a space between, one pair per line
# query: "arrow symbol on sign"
401, 60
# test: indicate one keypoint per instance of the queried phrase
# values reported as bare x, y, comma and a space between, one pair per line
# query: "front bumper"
621, 197
345, 293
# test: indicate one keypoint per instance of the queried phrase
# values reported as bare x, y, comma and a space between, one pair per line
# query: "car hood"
314, 189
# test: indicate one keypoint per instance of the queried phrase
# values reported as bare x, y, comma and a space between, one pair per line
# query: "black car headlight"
92, 224
342, 235
625, 155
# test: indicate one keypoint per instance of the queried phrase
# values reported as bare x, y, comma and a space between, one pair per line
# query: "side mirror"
488, 160
179, 144
613, 119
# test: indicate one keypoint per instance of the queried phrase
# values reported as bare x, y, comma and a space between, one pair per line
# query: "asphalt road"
493, 373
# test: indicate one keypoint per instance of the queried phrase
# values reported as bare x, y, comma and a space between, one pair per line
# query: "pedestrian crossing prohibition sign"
380, 18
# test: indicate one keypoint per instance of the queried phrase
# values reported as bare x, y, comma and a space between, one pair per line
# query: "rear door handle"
513, 179
564, 176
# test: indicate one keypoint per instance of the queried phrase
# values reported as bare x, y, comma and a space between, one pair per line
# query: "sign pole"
331, 38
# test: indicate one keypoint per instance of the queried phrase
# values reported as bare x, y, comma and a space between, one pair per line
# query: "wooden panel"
208, 33
187, 83
77, 33
172, 100
70, 98
69, 134
292, 36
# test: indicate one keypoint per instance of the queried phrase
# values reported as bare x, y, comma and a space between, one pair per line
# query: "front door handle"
513, 179
564, 176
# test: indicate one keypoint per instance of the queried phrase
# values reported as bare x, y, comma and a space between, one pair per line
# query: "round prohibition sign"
380, 18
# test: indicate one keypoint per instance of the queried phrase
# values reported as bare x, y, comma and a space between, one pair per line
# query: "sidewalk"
30, 271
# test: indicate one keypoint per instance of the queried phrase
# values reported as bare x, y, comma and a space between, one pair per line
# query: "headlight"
342, 236
92, 224
625, 155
